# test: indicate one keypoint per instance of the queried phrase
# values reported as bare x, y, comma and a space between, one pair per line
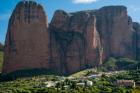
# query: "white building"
50, 84
89, 83
126, 83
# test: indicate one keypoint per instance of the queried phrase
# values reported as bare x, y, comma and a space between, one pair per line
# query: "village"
89, 81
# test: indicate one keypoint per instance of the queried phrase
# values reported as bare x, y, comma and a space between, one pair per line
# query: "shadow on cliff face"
71, 46
65, 40
1, 47
27, 73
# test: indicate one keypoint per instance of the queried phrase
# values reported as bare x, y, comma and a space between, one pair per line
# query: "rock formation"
116, 31
77, 43
27, 39
136, 27
72, 41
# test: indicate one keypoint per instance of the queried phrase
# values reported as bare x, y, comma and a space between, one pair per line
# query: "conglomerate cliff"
71, 42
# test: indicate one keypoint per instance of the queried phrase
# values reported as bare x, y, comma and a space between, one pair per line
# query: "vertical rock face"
76, 42
136, 27
27, 39
72, 42
116, 31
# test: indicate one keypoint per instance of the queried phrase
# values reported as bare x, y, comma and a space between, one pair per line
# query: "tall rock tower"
116, 31
75, 41
72, 42
27, 39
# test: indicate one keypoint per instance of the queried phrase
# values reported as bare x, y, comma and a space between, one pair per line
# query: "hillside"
1, 60
1, 47
113, 64
102, 84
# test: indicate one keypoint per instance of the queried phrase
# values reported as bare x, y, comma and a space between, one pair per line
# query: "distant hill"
1, 56
1, 47
1, 60
119, 64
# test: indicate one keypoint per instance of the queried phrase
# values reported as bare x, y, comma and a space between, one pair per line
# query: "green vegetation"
1, 60
113, 64
33, 80
103, 84
110, 64
84, 73
27, 85
27, 73
129, 75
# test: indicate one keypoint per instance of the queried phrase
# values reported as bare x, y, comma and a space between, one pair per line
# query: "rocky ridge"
71, 42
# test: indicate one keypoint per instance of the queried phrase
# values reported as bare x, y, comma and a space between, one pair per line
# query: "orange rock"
27, 39
76, 42
72, 42
116, 31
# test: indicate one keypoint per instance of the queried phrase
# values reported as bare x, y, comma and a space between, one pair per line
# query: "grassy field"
1, 60
83, 73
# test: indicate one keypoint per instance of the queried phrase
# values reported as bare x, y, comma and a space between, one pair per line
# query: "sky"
50, 6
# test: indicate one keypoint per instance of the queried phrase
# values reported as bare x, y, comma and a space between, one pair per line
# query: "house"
95, 76
85, 83
80, 84
50, 84
126, 83
89, 83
